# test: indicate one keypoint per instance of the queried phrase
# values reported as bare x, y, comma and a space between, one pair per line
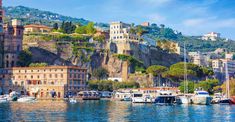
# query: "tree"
90, 28
80, 30
139, 30
162, 25
100, 73
38, 65
25, 58
190, 87
208, 85
156, 70
231, 85
55, 26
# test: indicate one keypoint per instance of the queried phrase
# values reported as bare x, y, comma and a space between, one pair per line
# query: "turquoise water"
105, 110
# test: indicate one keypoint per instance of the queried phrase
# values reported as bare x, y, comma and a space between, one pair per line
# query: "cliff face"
55, 53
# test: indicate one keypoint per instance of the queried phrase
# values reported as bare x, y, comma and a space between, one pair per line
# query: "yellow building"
36, 28
41, 81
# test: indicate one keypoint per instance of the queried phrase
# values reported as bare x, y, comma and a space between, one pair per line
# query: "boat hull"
26, 99
201, 100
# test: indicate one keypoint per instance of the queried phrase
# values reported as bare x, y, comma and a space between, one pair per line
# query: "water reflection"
105, 110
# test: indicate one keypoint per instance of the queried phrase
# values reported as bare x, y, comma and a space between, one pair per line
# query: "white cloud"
156, 18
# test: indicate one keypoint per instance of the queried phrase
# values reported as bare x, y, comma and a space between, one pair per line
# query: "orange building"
41, 81
36, 28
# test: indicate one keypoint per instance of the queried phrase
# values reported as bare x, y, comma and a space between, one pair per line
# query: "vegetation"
176, 72
107, 85
207, 85
31, 15
86, 29
38, 65
132, 60
156, 70
100, 73
232, 87
25, 58
67, 27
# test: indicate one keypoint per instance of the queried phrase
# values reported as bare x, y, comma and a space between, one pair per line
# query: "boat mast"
185, 72
227, 80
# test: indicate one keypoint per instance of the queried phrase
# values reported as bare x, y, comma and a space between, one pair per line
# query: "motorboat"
166, 98
72, 100
26, 99
140, 98
88, 95
126, 98
105, 94
201, 98
3, 99
13, 96
216, 98
184, 99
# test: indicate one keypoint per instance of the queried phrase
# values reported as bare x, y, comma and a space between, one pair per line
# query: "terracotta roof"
37, 26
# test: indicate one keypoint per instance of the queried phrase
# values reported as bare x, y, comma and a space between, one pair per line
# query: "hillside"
31, 15
154, 32
193, 43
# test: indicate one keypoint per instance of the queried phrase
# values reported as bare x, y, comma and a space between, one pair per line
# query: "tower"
1, 36
13, 36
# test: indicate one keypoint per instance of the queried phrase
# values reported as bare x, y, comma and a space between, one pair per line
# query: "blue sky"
192, 17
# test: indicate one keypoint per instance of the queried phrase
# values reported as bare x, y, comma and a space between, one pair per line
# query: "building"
213, 36
34, 28
219, 65
229, 56
13, 36
121, 35
41, 81
1, 36
171, 46
199, 58
145, 24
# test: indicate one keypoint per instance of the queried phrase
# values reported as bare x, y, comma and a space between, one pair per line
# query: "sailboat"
185, 98
227, 99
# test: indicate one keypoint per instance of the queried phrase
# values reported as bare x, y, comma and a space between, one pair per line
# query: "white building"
219, 65
229, 56
120, 31
199, 58
120, 34
213, 36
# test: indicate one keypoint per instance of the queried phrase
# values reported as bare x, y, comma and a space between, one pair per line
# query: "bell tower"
1, 37
12, 42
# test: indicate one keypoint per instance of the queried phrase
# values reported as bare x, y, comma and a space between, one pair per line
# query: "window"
22, 83
45, 82
55, 75
31, 76
61, 75
71, 82
50, 75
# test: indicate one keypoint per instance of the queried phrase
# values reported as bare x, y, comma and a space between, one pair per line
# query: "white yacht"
3, 99
26, 99
140, 98
201, 98
72, 100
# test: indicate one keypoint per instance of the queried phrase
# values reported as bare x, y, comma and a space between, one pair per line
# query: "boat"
166, 98
123, 95
26, 99
13, 96
105, 94
3, 99
88, 95
201, 98
216, 98
185, 98
140, 98
227, 100
72, 100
